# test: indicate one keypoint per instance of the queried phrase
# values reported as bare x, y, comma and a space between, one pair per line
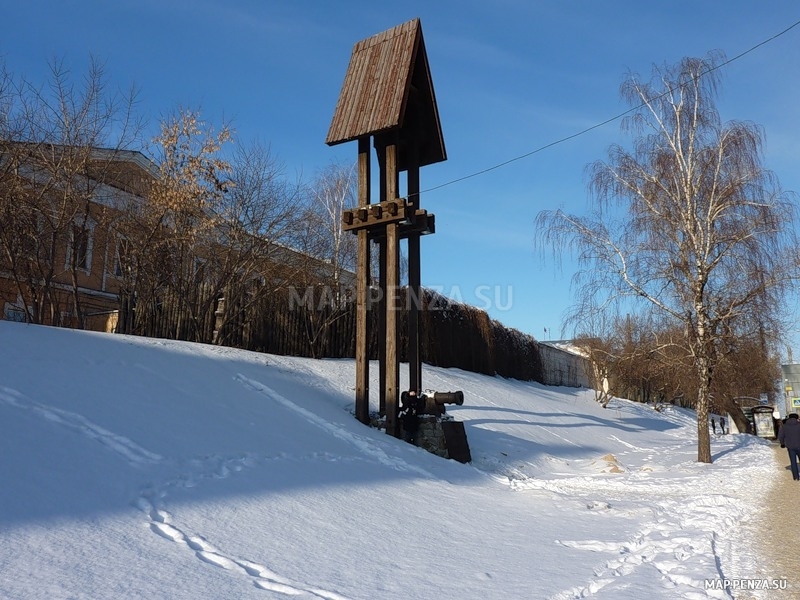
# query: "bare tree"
622, 353
599, 367
333, 190
596, 342
170, 237
259, 225
689, 222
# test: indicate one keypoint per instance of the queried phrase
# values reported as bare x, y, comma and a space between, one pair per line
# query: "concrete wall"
562, 367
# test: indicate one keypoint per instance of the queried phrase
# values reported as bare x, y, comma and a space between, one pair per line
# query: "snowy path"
774, 533
672, 537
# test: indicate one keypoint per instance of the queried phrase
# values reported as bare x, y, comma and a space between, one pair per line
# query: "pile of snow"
140, 468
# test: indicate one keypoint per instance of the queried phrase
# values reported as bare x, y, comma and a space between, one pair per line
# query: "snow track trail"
127, 449
162, 523
362, 443
152, 499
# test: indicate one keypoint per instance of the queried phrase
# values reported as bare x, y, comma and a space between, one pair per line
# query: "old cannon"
429, 402
441, 436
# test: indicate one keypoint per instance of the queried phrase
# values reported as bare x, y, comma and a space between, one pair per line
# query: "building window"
79, 248
200, 275
121, 258
14, 312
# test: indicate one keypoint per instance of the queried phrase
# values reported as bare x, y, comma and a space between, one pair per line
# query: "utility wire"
607, 121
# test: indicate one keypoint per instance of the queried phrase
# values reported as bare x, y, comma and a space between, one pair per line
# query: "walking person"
789, 437
722, 425
714, 425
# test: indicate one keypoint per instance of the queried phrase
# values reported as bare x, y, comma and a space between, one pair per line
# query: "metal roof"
388, 88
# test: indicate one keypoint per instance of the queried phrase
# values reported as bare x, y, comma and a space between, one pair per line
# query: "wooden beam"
421, 224
392, 322
375, 216
392, 304
414, 300
362, 329
364, 171
380, 151
362, 289
414, 285
382, 325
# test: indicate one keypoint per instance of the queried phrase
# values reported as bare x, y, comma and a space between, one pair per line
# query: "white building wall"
561, 367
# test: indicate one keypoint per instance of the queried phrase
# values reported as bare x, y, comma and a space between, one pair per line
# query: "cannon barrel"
441, 398
435, 401
429, 402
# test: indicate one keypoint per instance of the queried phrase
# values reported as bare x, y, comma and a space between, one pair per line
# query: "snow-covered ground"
138, 468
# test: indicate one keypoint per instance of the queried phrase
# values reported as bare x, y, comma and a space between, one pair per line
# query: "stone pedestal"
440, 435
430, 435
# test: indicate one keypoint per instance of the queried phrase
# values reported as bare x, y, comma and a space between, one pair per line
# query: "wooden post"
381, 308
392, 304
414, 285
380, 148
362, 289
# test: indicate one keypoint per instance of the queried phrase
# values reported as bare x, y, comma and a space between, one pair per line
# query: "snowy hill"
139, 468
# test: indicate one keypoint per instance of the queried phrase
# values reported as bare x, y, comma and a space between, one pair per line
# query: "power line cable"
605, 122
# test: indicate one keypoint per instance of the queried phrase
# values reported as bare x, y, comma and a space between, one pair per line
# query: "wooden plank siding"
385, 70
375, 86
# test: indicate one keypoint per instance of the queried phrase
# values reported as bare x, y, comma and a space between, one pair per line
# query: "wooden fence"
287, 323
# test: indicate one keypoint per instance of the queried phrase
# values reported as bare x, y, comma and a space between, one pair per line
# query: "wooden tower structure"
387, 101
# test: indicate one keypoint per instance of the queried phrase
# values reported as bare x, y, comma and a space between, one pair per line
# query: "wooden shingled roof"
388, 88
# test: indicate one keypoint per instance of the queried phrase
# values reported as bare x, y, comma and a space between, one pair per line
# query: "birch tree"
689, 222
333, 190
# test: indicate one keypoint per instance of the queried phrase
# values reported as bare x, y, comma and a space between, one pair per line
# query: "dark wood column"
362, 288
414, 281
392, 291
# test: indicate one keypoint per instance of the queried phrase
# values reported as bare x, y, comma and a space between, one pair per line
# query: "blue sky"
510, 76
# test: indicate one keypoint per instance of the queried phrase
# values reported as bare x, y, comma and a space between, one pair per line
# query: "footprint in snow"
162, 524
134, 454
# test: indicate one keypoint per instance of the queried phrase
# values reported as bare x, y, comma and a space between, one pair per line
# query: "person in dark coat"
714, 425
789, 437
408, 415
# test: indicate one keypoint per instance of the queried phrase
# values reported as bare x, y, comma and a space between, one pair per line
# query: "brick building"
59, 253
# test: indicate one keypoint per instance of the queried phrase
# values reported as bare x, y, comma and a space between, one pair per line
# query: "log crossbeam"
377, 215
